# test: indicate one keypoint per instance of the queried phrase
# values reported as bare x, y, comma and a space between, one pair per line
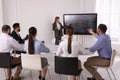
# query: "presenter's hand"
91, 31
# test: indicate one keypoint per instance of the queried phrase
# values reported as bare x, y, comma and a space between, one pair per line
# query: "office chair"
67, 66
5, 61
32, 62
109, 67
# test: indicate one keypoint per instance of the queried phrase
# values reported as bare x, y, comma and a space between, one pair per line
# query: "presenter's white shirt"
58, 26
77, 49
7, 43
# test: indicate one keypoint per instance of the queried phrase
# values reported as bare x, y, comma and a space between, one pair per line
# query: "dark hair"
5, 28
32, 33
69, 32
16, 25
56, 18
102, 27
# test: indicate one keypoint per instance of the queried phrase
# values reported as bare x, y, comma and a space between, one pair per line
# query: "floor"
54, 76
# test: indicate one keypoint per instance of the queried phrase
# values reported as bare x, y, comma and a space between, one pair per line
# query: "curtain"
109, 14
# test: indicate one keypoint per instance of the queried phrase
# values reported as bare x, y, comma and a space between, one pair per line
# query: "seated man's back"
7, 44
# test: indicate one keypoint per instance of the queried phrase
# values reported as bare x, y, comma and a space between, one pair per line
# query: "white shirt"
58, 26
77, 49
7, 43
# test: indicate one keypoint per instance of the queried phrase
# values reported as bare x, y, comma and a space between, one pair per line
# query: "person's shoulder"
106, 36
63, 42
10, 38
37, 41
13, 33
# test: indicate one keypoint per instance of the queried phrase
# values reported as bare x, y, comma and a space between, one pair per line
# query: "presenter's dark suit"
58, 33
17, 37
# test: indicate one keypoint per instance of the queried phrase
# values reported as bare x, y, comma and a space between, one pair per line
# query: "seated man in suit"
15, 33
7, 44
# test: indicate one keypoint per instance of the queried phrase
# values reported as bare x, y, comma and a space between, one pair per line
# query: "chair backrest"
5, 60
112, 58
31, 62
66, 65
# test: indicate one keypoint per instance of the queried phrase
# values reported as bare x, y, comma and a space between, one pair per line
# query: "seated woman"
69, 47
34, 46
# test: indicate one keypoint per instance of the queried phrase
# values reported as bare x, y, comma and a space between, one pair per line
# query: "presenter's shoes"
40, 78
56, 43
19, 78
90, 78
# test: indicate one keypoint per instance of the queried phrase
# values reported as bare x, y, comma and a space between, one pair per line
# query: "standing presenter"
57, 28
